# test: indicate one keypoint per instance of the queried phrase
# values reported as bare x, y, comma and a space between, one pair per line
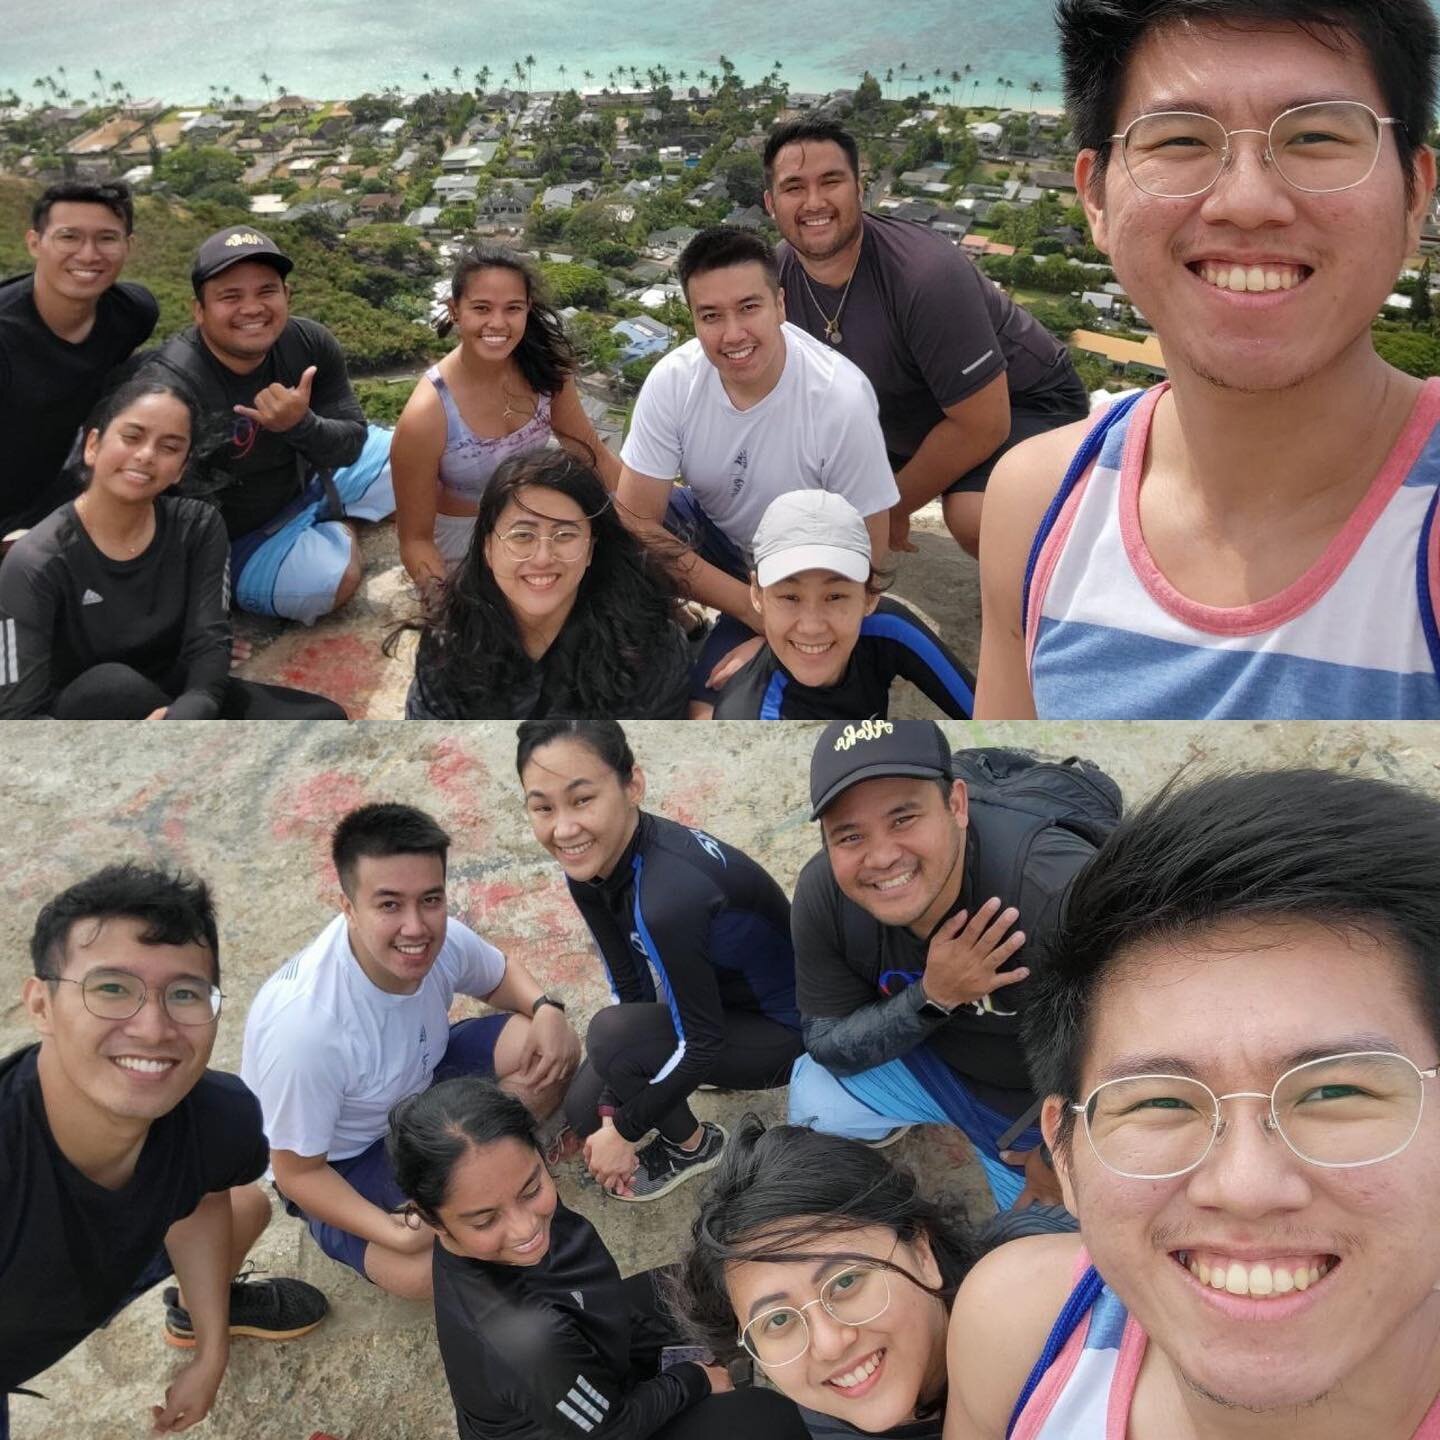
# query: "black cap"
230, 247
850, 751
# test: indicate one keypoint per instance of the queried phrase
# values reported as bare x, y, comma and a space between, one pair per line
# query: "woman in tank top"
508, 387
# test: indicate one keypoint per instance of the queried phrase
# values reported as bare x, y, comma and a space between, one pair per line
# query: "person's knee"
352, 575
541, 1101
609, 1033
962, 518
250, 1213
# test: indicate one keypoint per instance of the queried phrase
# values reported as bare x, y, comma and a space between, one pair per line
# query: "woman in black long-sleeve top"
539, 1335
117, 605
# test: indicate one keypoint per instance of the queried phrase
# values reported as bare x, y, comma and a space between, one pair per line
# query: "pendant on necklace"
832, 334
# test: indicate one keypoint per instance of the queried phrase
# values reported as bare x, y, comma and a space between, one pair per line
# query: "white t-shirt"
328, 1052
818, 429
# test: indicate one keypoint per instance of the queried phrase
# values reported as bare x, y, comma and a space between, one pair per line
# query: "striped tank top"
1108, 637
1086, 1393
469, 460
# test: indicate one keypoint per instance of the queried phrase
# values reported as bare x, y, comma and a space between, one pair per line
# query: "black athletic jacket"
545, 1350
893, 642
65, 607
703, 920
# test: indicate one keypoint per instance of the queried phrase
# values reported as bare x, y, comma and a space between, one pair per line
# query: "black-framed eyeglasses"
1319, 148
1339, 1112
853, 1296
119, 995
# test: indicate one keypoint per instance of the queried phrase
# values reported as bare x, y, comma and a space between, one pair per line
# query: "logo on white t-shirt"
738, 471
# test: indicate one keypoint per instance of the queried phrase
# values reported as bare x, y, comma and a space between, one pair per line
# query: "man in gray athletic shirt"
962, 373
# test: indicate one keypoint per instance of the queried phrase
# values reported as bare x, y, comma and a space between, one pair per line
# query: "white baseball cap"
811, 530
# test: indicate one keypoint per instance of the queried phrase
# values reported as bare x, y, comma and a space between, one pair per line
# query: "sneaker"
890, 1137
663, 1166
279, 1309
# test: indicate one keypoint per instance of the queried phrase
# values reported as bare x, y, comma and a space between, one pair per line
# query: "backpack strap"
1077, 1306
1428, 619
1089, 449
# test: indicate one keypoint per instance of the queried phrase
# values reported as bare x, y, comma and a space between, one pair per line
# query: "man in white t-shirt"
748, 410
359, 1020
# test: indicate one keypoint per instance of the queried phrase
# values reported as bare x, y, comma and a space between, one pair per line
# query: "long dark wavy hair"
545, 357
624, 607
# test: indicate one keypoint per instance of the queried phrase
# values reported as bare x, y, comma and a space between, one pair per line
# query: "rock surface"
250, 808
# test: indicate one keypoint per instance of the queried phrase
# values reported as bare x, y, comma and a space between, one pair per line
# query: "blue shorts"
293, 566
689, 523
470, 1051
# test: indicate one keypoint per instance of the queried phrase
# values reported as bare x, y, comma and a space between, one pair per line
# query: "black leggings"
113, 691
749, 1411
626, 1045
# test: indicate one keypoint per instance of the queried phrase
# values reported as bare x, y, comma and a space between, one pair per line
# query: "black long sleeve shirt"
65, 607
543, 1352
686, 918
267, 468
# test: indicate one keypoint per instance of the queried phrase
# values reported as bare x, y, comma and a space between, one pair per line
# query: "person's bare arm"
199, 1248
970, 431
998, 1326
642, 500
322, 1192
878, 525
415, 451
552, 1048
574, 431
1021, 488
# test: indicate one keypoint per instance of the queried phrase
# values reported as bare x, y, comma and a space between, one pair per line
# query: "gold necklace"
131, 551
832, 322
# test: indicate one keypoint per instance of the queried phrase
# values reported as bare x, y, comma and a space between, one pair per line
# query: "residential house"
1145, 354
424, 218
643, 335
747, 217
671, 242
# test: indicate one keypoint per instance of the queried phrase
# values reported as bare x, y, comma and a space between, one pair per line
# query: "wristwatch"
932, 1009
546, 1000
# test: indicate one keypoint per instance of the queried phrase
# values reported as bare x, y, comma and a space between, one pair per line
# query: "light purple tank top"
469, 460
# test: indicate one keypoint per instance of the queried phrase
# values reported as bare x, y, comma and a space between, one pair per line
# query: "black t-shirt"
831, 1427
65, 607
540, 1351
927, 328
894, 642
712, 925
266, 469
660, 688
70, 1250
846, 960
48, 386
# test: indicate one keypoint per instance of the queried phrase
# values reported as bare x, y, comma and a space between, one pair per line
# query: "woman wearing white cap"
833, 645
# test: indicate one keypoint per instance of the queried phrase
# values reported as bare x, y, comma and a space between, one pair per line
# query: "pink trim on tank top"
1050, 553
1300, 594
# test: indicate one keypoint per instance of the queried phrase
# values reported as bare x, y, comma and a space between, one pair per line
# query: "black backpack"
1020, 795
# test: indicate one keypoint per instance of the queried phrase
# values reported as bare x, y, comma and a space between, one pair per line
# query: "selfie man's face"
396, 914
1333, 257
1236, 1007
895, 844
139, 1068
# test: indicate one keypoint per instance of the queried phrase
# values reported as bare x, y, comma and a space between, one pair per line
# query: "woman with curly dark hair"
506, 388
557, 609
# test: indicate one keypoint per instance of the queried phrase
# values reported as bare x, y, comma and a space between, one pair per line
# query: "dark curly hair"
789, 1193
470, 646
545, 357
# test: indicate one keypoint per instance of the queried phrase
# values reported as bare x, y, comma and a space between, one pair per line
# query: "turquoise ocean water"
177, 49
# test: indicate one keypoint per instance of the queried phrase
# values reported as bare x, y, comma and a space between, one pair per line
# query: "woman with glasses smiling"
832, 1270
1237, 1038
557, 609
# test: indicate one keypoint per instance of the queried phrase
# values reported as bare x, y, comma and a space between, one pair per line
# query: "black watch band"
546, 1000
931, 1009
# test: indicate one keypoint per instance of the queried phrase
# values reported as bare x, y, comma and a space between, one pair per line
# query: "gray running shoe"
663, 1166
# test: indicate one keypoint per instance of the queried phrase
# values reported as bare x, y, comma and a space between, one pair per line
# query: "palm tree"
265, 81
904, 66
455, 76
519, 70
425, 76
529, 68
1034, 87
562, 74
589, 76
1000, 83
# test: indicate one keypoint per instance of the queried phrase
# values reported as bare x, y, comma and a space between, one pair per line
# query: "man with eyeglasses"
1255, 537
122, 1157
1237, 1038
63, 329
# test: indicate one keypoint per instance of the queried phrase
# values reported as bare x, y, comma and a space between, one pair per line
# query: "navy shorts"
1063, 405
470, 1051
690, 524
